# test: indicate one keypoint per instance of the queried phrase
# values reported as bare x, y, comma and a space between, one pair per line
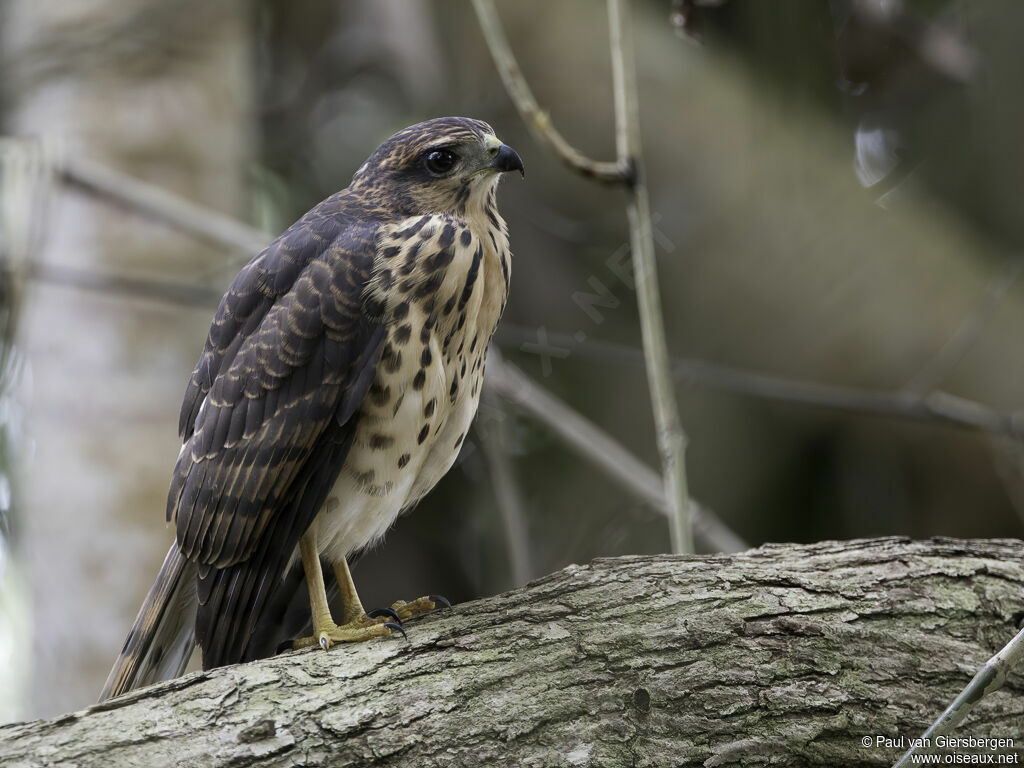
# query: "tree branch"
935, 407
990, 678
786, 654
628, 171
670, 436
589, 441
494, 437
536, 119
200, 221
106, 281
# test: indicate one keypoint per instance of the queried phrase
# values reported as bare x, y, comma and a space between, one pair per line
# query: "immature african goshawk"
341, 373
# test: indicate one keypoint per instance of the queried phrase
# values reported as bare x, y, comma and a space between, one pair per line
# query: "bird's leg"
325, 631
352, 606
399, 610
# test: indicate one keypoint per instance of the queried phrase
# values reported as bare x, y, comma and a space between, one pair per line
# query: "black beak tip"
507, 160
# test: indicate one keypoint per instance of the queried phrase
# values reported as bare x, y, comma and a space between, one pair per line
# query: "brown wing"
267, 417
231, 600
290, 338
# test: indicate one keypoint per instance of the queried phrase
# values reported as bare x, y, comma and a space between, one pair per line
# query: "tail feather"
162, 639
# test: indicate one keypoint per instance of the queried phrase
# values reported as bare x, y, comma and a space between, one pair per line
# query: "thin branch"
493, 439
535, 118
627, 170
937, 407
200, 221
990, 678
591, 443
671, 438
104, 281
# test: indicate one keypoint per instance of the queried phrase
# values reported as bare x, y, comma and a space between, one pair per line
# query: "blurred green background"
837, 189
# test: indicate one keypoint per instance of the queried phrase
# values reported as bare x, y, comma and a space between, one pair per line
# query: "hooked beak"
508, 159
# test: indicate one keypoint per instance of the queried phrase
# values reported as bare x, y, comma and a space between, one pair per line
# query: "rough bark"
786, 655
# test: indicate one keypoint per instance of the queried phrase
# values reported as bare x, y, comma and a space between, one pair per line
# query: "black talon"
397, 628
440, 599
385, 612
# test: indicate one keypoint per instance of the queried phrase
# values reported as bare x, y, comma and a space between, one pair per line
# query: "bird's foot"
380, 616
403, 611
358, 631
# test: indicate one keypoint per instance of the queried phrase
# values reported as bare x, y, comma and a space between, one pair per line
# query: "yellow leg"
318, 606
353, 607
354, 610
325, 631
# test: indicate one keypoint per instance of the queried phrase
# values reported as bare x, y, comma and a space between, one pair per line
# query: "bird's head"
446, 165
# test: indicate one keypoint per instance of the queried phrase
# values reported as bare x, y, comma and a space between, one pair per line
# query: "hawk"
341, 372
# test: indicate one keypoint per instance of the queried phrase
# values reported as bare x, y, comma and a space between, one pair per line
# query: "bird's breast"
444, 285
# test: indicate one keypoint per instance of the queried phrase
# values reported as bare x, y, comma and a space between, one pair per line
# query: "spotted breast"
443, 309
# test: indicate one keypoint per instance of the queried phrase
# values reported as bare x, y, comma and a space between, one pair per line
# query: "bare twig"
591, 443
493, 439
937, 407
990, 678
537, 119
627, 170
671, 438
173, 209
105, 281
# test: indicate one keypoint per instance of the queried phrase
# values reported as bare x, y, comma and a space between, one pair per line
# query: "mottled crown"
408, 144
395, 178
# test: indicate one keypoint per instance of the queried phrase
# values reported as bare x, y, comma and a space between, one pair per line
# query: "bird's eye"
440, 161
